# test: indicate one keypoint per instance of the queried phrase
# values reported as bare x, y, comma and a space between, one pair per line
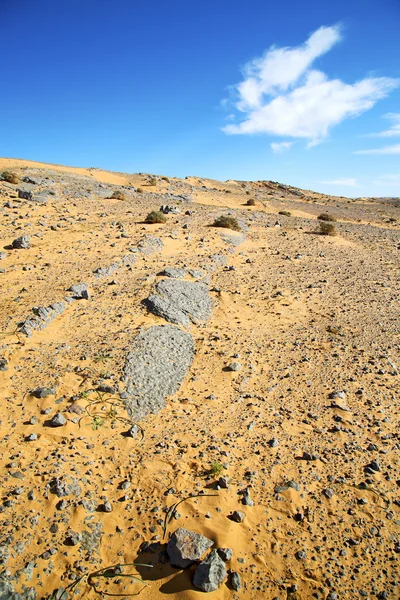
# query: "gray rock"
210, 573
225, 553
235, 366
22, 242
3, 255
150, 244
175, 273
155, 367
80, 290
185, 547
25, 194
181, 302
31, 437
237, 516
3, 364
7, 591
329, 493
167, 209
236, 581
43, 392
58, 420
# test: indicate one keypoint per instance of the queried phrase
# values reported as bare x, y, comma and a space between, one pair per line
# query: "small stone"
3, 364
43, 392
80, 290
23, 242
58, 420
273, 443
235, 366
329, 493
225, 553
235, 581
31, 437
107, 506
223, 482
237, 516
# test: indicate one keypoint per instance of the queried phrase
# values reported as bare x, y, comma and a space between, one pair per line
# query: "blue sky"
303, 93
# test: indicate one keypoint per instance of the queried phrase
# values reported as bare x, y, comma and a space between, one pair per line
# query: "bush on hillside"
10, 177
326, 217
155, 216
327, 228
227, 222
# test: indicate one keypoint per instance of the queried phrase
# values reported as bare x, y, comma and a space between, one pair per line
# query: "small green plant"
327, 229
106, 408
326, 217
155, 216
227, 222
286, 213
10, 177
216, 468
251, 202
118, 195
102, 357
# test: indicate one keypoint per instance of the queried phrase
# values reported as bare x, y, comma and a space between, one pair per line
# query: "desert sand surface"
288, 413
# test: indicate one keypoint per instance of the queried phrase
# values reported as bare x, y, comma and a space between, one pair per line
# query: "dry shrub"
10, 177
327, 229
227, 222
155, 216
326, 217
251, 202
286, 213
118, 195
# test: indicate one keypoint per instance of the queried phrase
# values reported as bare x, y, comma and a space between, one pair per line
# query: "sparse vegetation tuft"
10, 177
327, 228
152, 181
227, 222
251, 202
118, 195
155, 216
286, 213
139, 190
326, 217
216, 468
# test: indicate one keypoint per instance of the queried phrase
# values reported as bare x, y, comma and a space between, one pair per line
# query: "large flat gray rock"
181, 302
155, 367
210, 573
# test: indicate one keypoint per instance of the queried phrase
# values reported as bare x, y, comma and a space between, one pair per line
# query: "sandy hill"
251, 373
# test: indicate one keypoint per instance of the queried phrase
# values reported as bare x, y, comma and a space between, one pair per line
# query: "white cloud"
279, 147
394, 130
395, 149
392, 180
349, 181
282, 95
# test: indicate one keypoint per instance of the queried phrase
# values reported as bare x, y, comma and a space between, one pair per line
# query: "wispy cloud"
279, 147
391, 180
394, 149
282, 95
394, 130
347, 181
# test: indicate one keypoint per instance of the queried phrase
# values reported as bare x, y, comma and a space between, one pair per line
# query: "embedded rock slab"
155, 367
210, 573
181, 302
185, 547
